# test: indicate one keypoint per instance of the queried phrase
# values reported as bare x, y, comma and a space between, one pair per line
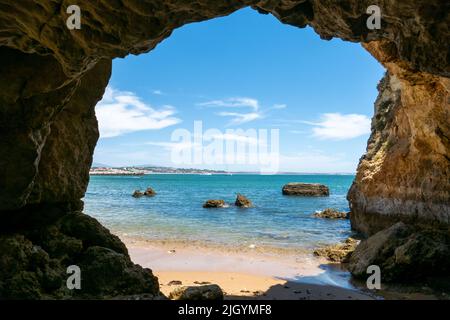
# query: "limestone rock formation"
330, 213
214, 204
403, 253
207, 292
34, 263
137, 194
52, 78
305, 189
243, 202
340, 252
404, 176
149, 192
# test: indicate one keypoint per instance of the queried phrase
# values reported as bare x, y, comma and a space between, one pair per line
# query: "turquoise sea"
176, 212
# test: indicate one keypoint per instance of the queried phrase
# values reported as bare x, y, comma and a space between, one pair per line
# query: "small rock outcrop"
214, 204
403, 253
137, 194
208, 292
340, 252
243, 201
332, 214
149, 192
306, 189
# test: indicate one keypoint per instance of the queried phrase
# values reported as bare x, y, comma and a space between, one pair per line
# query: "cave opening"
53, 76
231, 81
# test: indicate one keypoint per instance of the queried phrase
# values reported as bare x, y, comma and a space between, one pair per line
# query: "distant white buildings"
116, 172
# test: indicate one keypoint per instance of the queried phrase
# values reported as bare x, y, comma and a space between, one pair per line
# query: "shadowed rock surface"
305, 189
137, 194
243, 201
208, 292
214, 204
403, 253
53, 77
34, 262
149, 192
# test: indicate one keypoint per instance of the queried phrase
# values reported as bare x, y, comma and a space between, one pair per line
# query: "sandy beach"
251, 273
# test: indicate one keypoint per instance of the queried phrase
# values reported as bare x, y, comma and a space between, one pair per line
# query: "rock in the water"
339, 252
175, 283
243, 202
305, 189
403, 253
208, 292
214, 204
332, 214
149, 192
138, 194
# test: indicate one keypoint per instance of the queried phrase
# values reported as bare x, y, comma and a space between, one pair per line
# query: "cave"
52, 78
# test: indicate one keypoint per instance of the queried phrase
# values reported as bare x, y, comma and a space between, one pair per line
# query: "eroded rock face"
242, 201
405, 174
207, 292
52, 78
340, 252
403, 253
34, 262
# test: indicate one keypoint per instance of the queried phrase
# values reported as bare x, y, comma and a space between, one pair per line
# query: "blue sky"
244, 71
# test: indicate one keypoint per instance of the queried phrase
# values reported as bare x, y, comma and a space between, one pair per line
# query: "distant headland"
98, 169
142, 170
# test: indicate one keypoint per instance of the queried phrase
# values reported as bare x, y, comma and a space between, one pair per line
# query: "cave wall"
405, 173
52, 78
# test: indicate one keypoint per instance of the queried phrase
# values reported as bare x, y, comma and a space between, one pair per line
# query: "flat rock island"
306, 189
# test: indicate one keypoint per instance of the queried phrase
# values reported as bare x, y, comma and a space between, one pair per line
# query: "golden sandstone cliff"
52, 78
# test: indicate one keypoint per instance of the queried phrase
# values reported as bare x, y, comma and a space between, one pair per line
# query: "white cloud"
240, 102
240, 118
336, 126
122, 112
157, 92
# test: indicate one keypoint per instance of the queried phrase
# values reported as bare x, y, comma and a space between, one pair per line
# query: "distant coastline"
144, 170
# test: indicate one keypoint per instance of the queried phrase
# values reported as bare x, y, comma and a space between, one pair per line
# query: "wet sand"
244, 273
